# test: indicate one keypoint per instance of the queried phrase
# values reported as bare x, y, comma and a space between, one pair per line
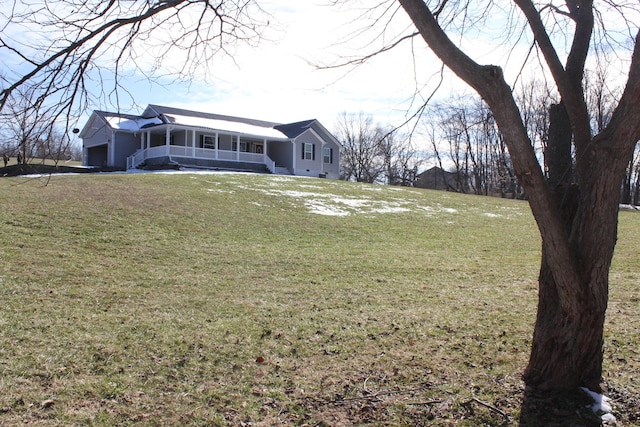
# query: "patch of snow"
390, 209
133, 125
295, 194
601, 405
492, 215
320, 208
214, 190
630, 207
278, 179
371, 188
227, 125
450, 210
354, 203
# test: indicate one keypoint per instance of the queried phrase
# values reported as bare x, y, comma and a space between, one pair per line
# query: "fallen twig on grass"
426, 403
489, 407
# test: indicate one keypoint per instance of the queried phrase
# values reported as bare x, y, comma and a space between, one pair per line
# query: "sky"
280, 81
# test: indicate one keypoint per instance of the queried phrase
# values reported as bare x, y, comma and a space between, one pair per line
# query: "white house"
172, 136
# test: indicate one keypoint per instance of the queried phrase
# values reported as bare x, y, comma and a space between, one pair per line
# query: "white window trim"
308, 151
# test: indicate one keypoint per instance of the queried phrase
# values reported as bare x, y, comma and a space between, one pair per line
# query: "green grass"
220, 299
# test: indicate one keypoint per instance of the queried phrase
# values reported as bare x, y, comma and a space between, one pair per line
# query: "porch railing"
170, 151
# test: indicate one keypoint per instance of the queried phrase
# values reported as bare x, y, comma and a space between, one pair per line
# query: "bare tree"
70, 43
400, 159
576, 212
477, 152
534, 98
26, 126
371, 153
361, 148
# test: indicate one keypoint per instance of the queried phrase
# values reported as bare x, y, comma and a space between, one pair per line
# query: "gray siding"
126, 144
97, 134
316, 166
281, 153
308, 167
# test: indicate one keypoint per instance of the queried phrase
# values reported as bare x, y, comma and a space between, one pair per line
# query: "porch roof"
226, 126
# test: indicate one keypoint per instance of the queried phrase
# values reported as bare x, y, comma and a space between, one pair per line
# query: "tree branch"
489, 82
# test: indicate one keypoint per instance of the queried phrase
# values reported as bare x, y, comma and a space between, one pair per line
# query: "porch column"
193, 143
217, 146
142, 134
237, 148
168, 140
111, 148
295, 156
264, 151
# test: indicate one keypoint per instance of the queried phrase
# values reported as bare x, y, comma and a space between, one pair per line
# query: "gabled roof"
119, 121
293, 130
156, 115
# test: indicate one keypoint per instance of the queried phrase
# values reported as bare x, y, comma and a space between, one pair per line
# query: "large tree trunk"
567, 350
576, 215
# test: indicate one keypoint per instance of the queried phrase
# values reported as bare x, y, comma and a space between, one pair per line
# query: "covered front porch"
209, 148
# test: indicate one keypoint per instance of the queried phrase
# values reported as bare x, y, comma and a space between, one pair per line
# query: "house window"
208, 141
244, 147
328, 154
308, 152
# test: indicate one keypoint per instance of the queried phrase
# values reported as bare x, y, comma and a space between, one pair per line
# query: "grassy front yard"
222, 299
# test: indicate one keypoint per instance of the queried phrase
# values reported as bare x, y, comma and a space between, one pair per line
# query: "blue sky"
277, 81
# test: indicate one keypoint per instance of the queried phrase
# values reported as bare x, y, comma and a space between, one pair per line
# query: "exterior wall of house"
332, 168
158, 139
225, 142
97, 133
181, 138
95, 156
281, 153
125, 145
438, 179
316, 166
95, 143
308, 167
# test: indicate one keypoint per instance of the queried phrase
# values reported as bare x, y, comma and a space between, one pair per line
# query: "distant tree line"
461, 136
27, 133
375, 154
